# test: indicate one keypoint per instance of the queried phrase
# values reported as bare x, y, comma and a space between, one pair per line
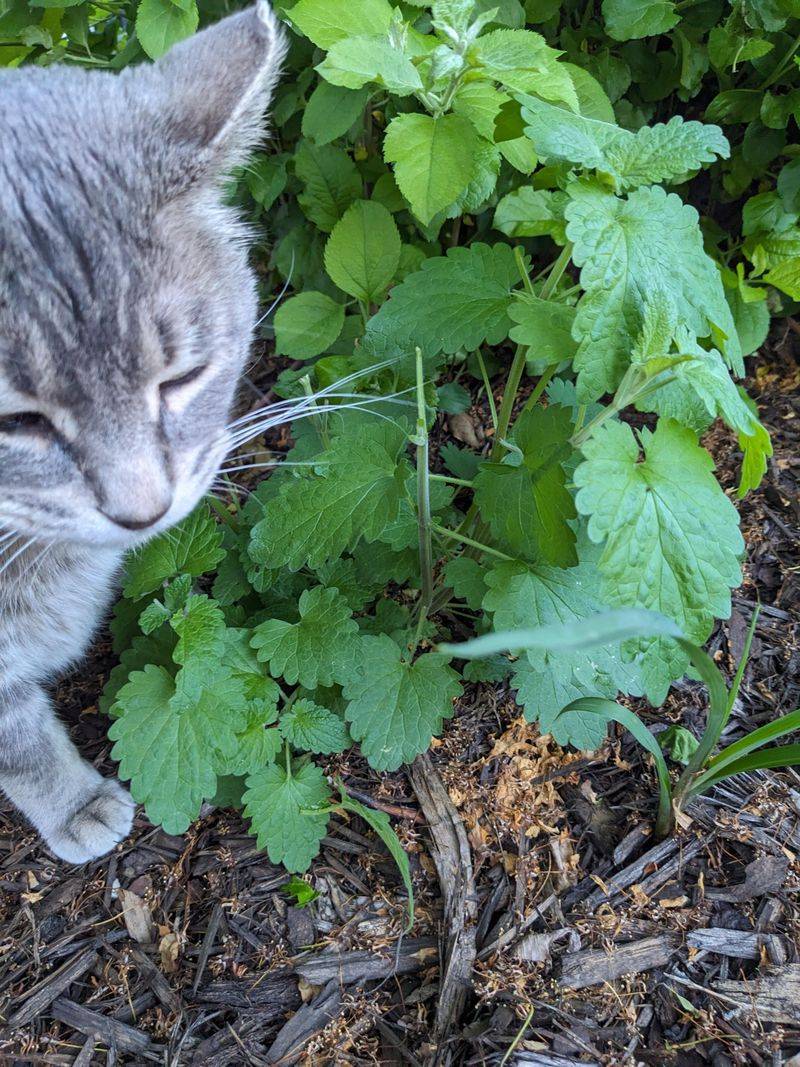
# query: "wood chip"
594, 966
93, 1024
43, 994
740, 944
766, 874
771, 998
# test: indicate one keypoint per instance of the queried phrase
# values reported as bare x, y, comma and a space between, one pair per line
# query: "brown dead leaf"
137, 916
464, 428
169, 950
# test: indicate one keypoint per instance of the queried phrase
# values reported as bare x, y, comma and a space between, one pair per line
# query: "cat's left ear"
208, 95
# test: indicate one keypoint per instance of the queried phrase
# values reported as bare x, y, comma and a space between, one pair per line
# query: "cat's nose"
134, 522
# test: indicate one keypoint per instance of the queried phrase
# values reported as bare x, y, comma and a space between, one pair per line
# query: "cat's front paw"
103, 820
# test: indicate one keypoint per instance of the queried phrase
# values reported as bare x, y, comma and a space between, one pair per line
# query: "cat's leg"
79, 813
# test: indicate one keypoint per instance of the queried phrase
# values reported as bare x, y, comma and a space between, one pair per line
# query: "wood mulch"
551, 930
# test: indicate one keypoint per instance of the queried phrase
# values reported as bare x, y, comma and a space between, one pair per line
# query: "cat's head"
126, 301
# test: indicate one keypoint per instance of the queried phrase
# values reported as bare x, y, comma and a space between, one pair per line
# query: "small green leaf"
192, 547
160, 24
330, 183
395, 708
280, 807
320, 649
331, 111
363, 251
678, 742
543, 327
302, 893
311, 728
355, 61
307, 324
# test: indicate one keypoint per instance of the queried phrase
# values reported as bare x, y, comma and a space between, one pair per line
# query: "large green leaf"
363, 251
670, 536
307, 324
628, 20
630, 250
330, 183
353, 62
327, 21
192, 547
160, 24
280, 806
434, 159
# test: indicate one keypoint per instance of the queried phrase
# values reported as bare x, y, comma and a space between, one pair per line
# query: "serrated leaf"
467, 578
312, 728
327, 21
703, 390
330, 183
455, 301
526, 596
629, 20
545, 328
331, 110
307, 324
168, 747
628, 250
459, 461
160, 24
522, 61
786, 277
528, 212
357, 493
280, 809
192, 547
434, 159
153, 616
662, 153
320, 649
256, 746
395, 708
363, 251
353, 62
670, 536
526, 503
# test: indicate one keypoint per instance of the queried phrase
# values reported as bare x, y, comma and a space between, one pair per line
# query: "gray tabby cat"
126, 313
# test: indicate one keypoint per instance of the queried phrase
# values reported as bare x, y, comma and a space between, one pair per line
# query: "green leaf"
434, 159
380, 823
266, 178
355, 61
523, 62
302, 893
363, 251
771, 731
331, 110
528, 212
455, 301
678, 742
356, 494
702, 390
153, 616
192, 547
330, 183
544, 328
307, 324
280, 807
453, 398
168, 747
320, 649
395, 707
523, 596
527, 504
467, 578
786, 277
256, 747
670, 536
666, 152
327, 21
767, 758
628, 251
459, 461
628, 20
312, 728
160, 24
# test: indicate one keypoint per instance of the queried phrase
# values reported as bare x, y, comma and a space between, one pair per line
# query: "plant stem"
541, 385
423, 494
558, 268
450, 481
453, 535
488, 386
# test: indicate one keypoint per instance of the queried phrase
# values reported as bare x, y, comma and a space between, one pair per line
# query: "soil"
550, 929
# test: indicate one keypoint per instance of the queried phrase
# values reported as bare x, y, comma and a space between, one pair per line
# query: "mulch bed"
550, 929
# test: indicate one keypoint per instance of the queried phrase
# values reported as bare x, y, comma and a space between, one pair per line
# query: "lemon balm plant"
456, 210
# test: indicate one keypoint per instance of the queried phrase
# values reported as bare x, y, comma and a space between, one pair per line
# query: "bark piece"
765, 874
355, 968
43, 994
119, 1035
306, 1022
773, 997
453, 859
594, 966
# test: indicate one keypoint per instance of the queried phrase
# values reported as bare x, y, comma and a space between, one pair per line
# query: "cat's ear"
209, 93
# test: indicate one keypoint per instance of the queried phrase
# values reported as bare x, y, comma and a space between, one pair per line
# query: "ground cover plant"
461, 202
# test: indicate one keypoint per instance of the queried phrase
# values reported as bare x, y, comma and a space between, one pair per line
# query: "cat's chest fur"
46, 623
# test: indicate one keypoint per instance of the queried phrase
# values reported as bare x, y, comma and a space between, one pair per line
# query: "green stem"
453, 535
423, 493
526, 278
320, 420
558, 268
488, 386
541, 385
450, 481
509, 399
782, 65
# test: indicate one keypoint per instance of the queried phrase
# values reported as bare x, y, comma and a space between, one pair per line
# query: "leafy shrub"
481, 195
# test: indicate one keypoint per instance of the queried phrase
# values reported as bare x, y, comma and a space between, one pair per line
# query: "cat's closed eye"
184, 379
25, 421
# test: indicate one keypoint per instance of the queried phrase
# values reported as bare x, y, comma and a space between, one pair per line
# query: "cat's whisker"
279, 297
248, 432
35, 566
26, 545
